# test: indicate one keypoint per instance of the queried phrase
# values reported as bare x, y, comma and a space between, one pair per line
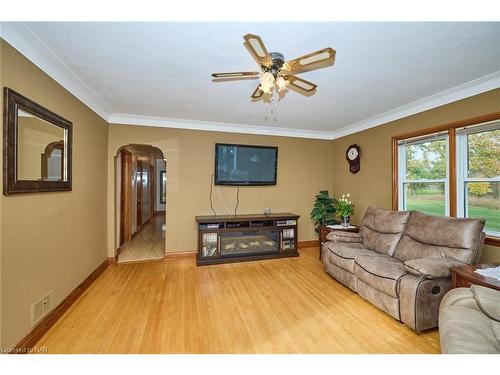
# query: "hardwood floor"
275, 306
149, 244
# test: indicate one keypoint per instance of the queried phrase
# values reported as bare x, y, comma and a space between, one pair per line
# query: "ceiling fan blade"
257, 93
235, 75
301, 84
257, 48
319, 59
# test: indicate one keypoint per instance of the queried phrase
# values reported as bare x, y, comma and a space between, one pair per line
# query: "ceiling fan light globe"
266, 89
281, 83
267, 79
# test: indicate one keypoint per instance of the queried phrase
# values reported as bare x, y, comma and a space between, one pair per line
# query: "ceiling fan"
278, 73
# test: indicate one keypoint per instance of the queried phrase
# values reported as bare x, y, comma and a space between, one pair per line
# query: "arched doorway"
140, 194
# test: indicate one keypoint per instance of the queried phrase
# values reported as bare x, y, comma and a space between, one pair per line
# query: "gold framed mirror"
37, 147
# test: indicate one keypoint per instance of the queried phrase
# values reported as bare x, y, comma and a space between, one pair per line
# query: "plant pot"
345, 221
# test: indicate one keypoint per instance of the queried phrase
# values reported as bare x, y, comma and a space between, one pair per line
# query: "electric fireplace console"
223, 239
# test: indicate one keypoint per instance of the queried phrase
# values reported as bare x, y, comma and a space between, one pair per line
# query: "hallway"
148, 244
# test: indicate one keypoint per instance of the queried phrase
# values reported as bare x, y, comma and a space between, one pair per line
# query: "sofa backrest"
428, 236
381, 230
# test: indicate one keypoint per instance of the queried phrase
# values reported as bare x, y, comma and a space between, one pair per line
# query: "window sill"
493, 241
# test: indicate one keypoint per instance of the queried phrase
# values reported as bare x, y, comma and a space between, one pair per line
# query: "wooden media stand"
223, 239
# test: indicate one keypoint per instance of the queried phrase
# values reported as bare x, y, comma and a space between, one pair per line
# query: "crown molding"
463, 91
27, 43
164, 122
19, 36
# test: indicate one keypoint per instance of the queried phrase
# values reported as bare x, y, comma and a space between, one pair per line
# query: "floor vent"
40, 308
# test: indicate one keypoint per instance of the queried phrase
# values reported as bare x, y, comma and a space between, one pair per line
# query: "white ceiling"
159, 73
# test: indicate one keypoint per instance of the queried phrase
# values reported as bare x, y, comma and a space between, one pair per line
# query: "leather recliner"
469, 321
400, 260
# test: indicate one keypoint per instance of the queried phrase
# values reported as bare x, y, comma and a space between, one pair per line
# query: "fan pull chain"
275, 104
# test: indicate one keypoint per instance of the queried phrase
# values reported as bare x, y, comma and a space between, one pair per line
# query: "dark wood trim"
451, 128
46, 323
152, 189
305, 244
492, 241
11, 184
395, 177
138, 191
126, 197
159, 213
245, 217
451, 125
452, 166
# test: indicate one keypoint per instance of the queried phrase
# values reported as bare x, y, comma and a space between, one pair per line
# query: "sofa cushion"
381, 230
342, 276
428, 236
383, 301
430, 268
382, 272
343, 254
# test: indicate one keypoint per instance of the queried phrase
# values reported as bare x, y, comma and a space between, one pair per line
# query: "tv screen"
245, 165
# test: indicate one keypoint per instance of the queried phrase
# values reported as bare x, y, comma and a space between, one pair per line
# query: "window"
423, 172
478, 174
451, 170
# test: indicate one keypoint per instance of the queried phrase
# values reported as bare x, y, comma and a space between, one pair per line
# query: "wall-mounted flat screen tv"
245, 164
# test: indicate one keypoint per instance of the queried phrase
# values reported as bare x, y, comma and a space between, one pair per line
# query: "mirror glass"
41, 149
163, 187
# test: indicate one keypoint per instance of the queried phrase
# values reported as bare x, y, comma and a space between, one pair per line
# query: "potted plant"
345, 209
323, 211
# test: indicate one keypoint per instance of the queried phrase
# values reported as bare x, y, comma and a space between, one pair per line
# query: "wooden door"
146, 192
126, 197
139, 194
152, 185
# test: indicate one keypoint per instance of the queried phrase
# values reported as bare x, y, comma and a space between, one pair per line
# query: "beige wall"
371, 186
304, 168
51, 241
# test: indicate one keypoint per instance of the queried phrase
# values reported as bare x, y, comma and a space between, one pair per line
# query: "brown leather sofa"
469, 321
400, 260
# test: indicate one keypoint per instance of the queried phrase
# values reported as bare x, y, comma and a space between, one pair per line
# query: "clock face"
352, 154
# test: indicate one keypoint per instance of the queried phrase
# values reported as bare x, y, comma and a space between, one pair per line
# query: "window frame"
454, 170
402, 167
462, 165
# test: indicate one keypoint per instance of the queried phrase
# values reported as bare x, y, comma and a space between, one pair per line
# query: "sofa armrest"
343, 236
488, 301
431, 268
